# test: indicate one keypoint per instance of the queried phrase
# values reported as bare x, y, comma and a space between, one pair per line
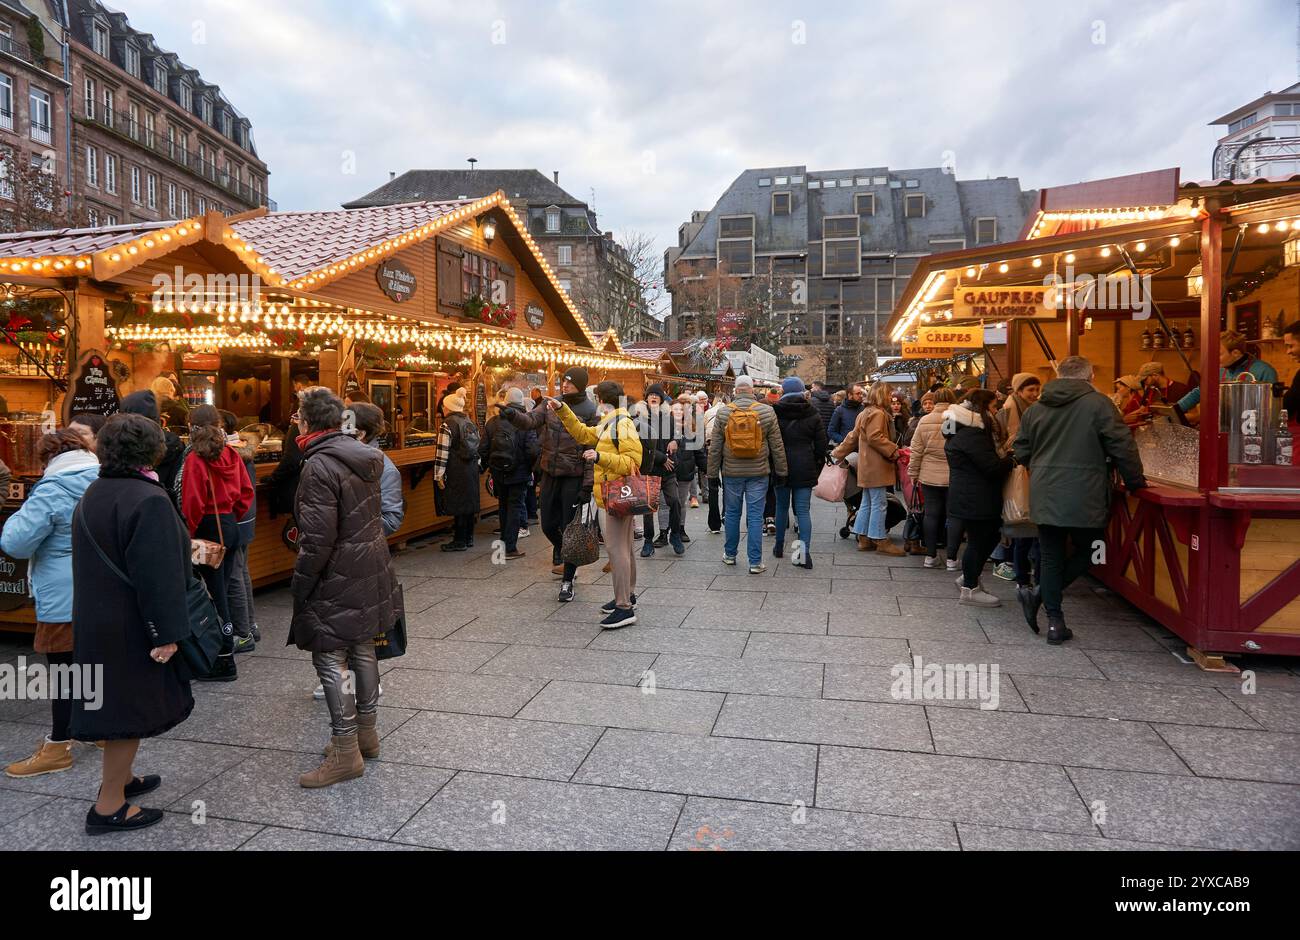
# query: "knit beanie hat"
792, 386
1021, 379
578, 377
515, 396
453, 404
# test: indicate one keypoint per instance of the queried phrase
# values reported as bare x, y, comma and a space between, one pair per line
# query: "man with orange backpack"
744, 450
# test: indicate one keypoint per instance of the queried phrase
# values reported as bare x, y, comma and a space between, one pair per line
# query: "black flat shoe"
97, 825
140, 785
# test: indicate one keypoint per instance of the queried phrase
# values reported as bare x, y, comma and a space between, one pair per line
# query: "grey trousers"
239, 593
347, 693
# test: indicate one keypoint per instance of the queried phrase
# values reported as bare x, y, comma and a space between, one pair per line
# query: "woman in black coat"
129, 626
975, 477
455, 472
806, 445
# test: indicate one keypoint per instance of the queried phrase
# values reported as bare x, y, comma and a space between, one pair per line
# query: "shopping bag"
392, 643
1015, 497
831, 483
580, 544
914, 531
632, 495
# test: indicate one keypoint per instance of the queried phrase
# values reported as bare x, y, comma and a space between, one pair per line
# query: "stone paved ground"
515, 722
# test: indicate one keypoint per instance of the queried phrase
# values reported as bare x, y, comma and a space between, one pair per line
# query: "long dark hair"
980, 399
207, 432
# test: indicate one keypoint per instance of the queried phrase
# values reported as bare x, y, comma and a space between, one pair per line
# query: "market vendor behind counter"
1238, 362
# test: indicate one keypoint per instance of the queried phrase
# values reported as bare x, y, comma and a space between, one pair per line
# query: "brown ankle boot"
865, 544
886, 547
342, 763
50, 758
367, 737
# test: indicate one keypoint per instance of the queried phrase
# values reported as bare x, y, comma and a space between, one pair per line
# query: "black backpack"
502, 458
465, 439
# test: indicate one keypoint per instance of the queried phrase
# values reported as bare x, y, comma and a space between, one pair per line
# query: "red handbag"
632, 495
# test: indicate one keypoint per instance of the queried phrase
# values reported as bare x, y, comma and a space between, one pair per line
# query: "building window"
100, 40
796, 180
781, 180
840, 226
913, 184
152, 184
159, 76
186, 96
736, 226
782, 203
40, 111
92, 167
133, 60
940, 245
148, 129
135, 185
135, 121
552, 220
842, 257
476, 275
986, 231
914, 206
171, 141
92, 216
828, 184
814, 184
89, 87
203, 205
564, 255
737, 254
6, 102
566, 285
185, 203
110, 173
6, 184
207, 110
171, 200
110, 219
865, 203
1243, 122
765, 181
108, 106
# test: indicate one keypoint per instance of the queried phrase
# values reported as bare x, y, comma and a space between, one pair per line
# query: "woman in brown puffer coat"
872, 439
344, 588
929, 468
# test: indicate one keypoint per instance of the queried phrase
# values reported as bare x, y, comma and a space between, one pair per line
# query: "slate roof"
299, 243
529, 186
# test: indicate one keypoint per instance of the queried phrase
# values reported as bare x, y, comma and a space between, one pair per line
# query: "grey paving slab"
183, 765
1042, 660
480, 811
998, 839
808, 585
644, 708
1276, 711
1165, 668
845, 556
1087, 636
25, 712
949, 611
1193, 811
794, 621
777, 605
1052, 739
865, 622
577, 664
824, 568
941, 587
720, 674
539, 632
673, 597
287, 724
60, 825
827, 649
824, 721
765, 771
1135, 701
458, 692
491, 745
15, 803
647, 615
265, 789
737, 826
637, 638
1269, 756
276, 839
435, 623
693, 577
884, 684
714, 568
269, 675
961, 789
446, 655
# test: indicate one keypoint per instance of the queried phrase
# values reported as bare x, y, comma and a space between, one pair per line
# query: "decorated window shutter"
451, 295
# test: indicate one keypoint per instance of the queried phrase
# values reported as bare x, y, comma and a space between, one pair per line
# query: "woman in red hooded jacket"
214, 493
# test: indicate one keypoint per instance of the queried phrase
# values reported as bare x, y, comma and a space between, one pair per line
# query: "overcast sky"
658, 105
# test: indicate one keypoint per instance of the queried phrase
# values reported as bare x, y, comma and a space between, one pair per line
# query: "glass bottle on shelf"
1159, 340
1252, 438
1282, 452
1189, 338
1175, 339
1146, 339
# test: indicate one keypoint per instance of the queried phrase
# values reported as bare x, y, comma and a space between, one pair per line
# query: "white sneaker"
951, 564
524, 533
978, 597
757, 569
931, 562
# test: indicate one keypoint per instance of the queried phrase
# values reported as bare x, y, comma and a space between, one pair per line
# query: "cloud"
657, 106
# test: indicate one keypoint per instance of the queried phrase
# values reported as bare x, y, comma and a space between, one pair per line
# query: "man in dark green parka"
1069, 443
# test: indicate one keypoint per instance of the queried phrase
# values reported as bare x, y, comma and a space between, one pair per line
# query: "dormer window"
160, 76
552, 220
99, 39
207, 110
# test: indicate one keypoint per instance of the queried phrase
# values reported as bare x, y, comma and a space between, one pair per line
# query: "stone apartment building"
1262, 138
130, 131
594, 269
828, 252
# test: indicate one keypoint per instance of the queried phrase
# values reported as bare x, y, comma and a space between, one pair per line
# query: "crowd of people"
127, 516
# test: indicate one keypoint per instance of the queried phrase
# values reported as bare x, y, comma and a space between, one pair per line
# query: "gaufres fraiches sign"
954, 337
1035, 302
396, 280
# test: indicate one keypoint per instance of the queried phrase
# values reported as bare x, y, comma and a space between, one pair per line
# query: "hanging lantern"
1291, 251
1195, 281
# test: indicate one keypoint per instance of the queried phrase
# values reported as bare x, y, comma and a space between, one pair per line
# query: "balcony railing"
124, 125
18, 50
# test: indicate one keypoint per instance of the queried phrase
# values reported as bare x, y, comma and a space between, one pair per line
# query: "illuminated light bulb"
115, 256
1175, 242
37, 266
970, 272
1263, 228
1004, 268
1281, 227
165, 237
1069, 259
80, 263
1105, 252
1141, 246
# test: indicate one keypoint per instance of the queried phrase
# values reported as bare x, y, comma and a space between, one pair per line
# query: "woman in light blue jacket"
42, 530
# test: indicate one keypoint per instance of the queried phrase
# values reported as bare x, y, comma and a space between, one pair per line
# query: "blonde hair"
878, 395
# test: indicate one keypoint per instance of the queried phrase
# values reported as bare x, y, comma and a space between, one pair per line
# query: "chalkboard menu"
350, 384
480, 404
91, 387
13, 582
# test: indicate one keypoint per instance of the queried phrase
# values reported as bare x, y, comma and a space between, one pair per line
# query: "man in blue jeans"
744, 450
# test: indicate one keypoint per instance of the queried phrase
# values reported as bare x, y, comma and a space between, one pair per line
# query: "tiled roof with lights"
302, 244
71, 241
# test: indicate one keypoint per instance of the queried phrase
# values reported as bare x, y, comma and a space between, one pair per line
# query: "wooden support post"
281, 391
1073, 326
90, 324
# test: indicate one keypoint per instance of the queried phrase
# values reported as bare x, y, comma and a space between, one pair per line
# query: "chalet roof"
72, 241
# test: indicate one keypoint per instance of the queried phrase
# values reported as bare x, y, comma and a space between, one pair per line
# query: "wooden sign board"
396, 280
926, 351
91, 387
958, 337
480, 404
1034, 302
534, 316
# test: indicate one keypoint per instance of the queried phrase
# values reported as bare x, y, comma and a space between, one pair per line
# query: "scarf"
305, 440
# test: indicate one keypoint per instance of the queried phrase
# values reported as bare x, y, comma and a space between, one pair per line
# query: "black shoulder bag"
202, 646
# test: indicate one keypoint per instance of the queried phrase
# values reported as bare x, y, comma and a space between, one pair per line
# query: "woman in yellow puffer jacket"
616, 453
